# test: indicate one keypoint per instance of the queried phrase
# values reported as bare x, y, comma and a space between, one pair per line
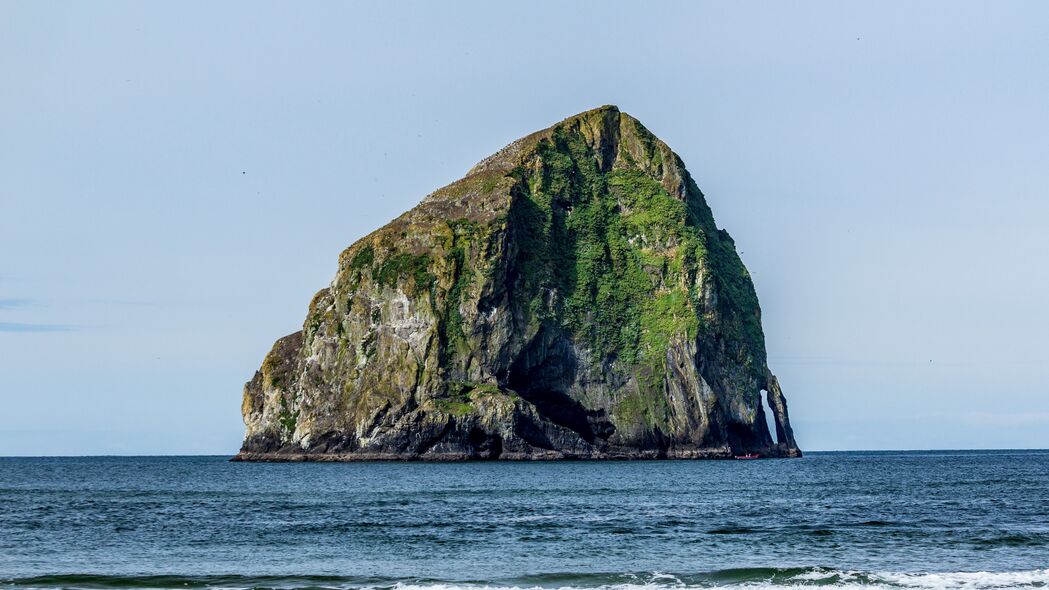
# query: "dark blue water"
913, 520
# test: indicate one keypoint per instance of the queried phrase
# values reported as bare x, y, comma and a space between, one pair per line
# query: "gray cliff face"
571, 297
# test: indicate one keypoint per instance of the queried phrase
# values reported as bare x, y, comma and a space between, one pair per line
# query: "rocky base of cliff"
627, 455
519, 435
292, 456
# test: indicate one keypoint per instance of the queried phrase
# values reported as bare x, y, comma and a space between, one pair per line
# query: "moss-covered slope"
570, 297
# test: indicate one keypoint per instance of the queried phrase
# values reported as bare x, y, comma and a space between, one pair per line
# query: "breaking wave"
750, 578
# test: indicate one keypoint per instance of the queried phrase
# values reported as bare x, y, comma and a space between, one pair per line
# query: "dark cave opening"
542, 374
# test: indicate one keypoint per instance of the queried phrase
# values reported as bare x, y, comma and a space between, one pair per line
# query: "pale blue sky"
177, 180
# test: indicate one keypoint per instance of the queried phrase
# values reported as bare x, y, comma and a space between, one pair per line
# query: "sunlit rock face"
570, 297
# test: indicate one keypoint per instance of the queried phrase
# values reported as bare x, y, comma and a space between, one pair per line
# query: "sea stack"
569, 298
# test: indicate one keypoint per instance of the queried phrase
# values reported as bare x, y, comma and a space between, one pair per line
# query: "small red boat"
749, 456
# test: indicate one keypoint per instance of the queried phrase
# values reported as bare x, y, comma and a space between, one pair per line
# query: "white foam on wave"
808, 579
970, 580
815, 578
820, 574
626, 586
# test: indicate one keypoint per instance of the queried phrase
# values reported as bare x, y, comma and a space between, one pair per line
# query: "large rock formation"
571, 297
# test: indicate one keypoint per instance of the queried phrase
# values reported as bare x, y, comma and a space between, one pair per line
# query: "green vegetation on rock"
404, 266
607, 255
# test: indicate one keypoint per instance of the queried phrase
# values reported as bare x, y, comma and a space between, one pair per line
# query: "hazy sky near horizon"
177, 180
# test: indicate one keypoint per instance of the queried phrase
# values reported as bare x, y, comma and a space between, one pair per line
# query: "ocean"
938, 520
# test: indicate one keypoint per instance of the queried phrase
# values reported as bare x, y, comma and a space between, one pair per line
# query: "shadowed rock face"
571, 297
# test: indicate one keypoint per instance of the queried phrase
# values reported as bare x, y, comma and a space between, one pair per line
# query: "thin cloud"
17, 327
121, 302
917, 362
17, 303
